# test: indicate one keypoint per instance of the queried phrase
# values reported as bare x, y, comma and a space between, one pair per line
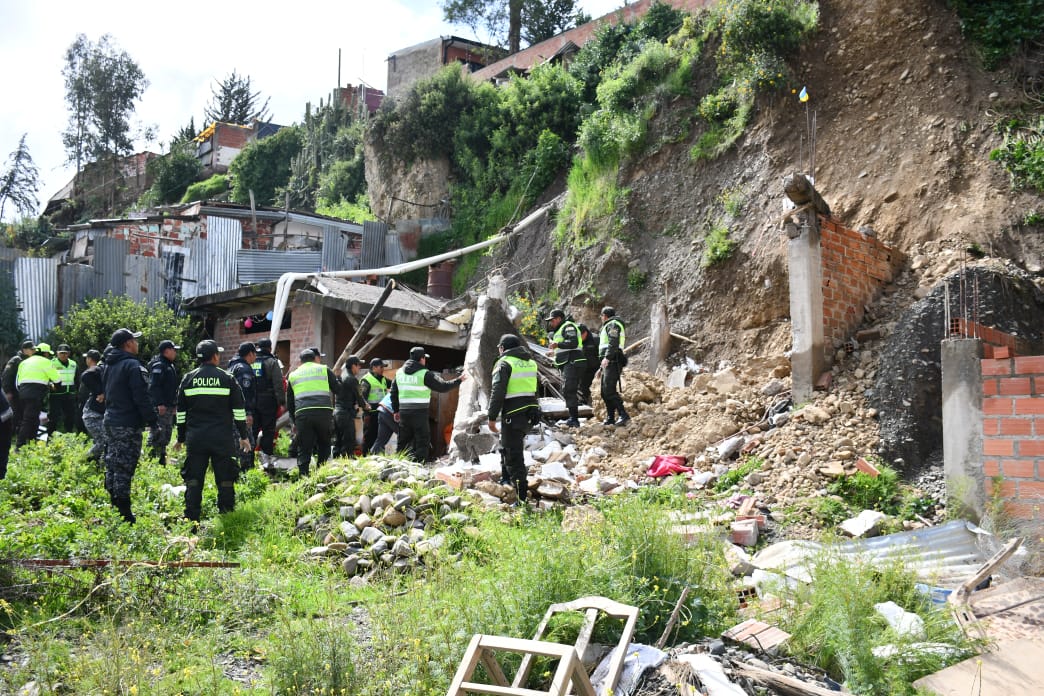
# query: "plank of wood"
1014, 667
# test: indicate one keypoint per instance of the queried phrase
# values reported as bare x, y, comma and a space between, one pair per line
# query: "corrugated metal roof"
398, 299
109, 261
10, 254
257, 266
945, 555
36, 283
373, 244
76, 283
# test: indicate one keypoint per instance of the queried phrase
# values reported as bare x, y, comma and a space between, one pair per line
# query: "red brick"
990, 388
1033, 406
997, 407
1018, 468
1006, 489
1038, 426
1014, 426
996, 367
998, 448
1015, 386
990, 468
1002, 352
987, 351
1021, 510
1031, 448
1031, 491
1032, 364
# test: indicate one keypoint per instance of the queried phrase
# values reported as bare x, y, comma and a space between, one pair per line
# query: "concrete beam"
806, 305
962, 425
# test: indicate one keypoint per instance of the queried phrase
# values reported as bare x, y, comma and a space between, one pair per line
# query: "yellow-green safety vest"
67, 373
521, 385
562, 356
311, 387
603, 337
36, 369
377, 389
412, 391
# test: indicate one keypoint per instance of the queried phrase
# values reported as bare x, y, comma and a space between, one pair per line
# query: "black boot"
624, 419
124, 506
162, 457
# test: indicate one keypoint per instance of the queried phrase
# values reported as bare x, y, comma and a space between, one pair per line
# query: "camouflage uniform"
95, 424
159, 434
122, 452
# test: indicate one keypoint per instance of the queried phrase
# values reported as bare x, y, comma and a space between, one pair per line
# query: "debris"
711, 675
1010, 669
757, 634
903, 622
866, 467
674, 618
668, 465
865, 524
1013, 609
744, 532
784, 683
637, 660
959, 599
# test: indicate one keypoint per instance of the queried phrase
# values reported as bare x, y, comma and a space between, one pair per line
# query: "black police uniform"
271, 394
163, 391
243, 373
209, 403
349, 402
518, 415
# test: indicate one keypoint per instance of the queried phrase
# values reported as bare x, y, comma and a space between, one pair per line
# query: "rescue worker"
6, 433
590, 367
271, 396
513, 398
310, 401
611, 341
568, 350
410, 397
386, 425
373, 387
209, 403
61, 408
9, 376
242, 369
36, 377
349, 402
128, 411
163, 390
94, 404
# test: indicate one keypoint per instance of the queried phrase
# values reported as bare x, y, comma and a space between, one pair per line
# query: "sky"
289, 51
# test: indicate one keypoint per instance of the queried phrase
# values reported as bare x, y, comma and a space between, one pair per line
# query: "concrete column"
659, 337
962, 424
806, 306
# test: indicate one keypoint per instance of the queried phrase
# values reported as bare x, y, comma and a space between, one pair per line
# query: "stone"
350, 564
349, 532
314, 501
384, 500
456, 518
402, 549
370, 535
364, 505
393, 518
363, 521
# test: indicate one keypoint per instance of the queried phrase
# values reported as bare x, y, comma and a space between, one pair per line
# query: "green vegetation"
264, 167
637, 279
173, 173
328, 171
1000, 27
359, 211
733, 476
718, 246
206, 189
1022, 153
92, 323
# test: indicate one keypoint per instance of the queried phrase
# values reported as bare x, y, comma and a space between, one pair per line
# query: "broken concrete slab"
1014, 667
757, 634
711, 675
866, 524
744, 532
1011, 610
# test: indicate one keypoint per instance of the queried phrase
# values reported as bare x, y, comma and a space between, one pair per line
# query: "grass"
295, 623
718, 245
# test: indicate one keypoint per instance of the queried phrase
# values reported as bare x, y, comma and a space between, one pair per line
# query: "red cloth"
668, 465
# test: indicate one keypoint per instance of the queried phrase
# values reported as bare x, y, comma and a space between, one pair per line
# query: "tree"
264, 167
20, 181
173, 173
507, 22
12, 331
78, 99
234, 102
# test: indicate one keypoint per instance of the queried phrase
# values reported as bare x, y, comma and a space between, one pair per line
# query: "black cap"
583, 328
64, 348
307, 355
509, 341
93, 355
28, 344
121, 336
352, 360
315, 349
377, 362
417, 352
556, 313
264, 344
246, 348
205, 350
608, 312
164, 345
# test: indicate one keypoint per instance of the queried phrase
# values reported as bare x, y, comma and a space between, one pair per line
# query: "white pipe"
286, 281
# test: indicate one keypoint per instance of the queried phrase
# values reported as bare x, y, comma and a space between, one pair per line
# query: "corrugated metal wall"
258, 266
373, 246
145, 279
110, 262
212, 261
173, 271
36, 283
76, 283
335, 251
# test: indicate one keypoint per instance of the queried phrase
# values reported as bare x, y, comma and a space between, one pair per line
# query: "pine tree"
20, 181
234, 102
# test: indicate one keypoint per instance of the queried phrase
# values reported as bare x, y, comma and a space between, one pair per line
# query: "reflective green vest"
36, 369
603, 337
563, 356
521, 386
377, 389
311, 387
412, 392
67, 373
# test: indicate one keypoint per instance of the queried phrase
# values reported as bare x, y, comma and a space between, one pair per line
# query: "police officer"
209, 403
386, 425
590, 368
163, 390
242, 369
36, 377
568, 350
410, 397
6, 431
611, 341
61, 409
373, 387
94, 404
310, 401
128, 410
513, 399
271, 396
349, 402
10, 375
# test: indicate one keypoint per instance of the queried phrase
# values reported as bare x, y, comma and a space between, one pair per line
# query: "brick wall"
856, 267
1013, 432
992, 338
